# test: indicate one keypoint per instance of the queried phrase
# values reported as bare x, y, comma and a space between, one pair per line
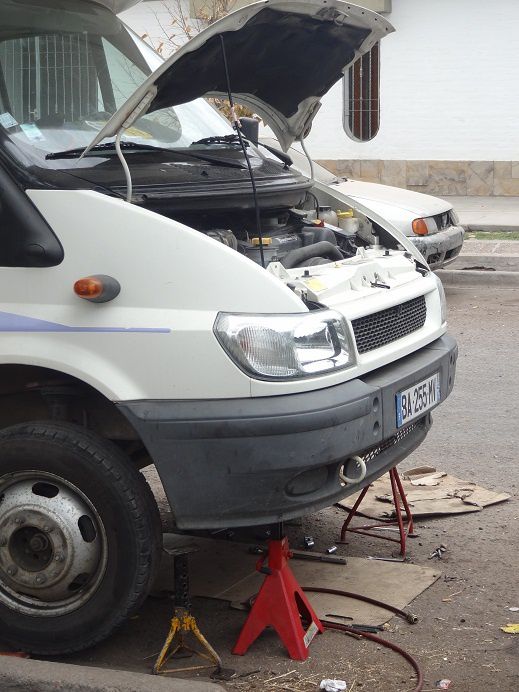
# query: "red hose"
409, 617
367, 635
383, 642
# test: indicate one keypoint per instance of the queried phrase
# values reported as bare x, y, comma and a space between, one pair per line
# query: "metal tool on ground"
281, 604
405, 527
438, 552
302, 555
183, 623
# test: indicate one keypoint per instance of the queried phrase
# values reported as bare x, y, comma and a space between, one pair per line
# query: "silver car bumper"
442, 248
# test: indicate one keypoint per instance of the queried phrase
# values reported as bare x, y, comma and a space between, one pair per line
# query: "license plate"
419, 398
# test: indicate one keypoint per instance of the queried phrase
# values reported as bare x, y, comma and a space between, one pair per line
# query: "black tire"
128, 523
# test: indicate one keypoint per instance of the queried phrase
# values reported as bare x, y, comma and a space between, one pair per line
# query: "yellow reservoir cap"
347, 214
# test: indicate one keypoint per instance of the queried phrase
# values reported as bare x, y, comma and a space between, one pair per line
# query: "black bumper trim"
242, 462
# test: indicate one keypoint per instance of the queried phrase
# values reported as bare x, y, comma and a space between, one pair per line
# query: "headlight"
424, 226
443, 299
455, 219
277, 347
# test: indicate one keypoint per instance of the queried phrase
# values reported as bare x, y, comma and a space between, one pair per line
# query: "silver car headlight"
277, 347
443, 299
455, 219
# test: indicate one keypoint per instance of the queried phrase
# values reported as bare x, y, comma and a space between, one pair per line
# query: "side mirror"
250, 129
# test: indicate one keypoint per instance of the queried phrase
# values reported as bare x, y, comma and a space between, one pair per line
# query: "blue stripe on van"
11, 322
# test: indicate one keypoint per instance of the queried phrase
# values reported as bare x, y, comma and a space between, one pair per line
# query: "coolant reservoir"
347, 221
327, 215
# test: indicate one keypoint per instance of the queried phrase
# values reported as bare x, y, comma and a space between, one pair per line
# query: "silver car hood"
282, 55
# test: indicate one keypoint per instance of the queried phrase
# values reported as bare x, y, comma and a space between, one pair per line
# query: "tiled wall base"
471, 178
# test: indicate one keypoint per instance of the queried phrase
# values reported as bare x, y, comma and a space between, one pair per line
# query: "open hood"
117, 6
282, 56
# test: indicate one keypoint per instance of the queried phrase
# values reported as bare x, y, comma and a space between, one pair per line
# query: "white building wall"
449, 98
449, 86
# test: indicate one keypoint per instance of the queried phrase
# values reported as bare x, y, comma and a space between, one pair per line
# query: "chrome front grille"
381, 328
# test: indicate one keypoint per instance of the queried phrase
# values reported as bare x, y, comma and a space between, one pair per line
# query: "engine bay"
295, 237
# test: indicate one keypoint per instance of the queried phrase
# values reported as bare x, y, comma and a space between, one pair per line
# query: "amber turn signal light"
98, 288
90, 287
420, 227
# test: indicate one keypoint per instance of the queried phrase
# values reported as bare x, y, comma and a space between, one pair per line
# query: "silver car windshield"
67, 65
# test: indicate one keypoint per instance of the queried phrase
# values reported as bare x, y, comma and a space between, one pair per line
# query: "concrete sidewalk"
487, 213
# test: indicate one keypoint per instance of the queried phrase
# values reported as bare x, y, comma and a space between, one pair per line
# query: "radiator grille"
381, 328
443, 221
371, 454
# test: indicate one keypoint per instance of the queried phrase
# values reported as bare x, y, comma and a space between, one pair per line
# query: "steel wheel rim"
53, 545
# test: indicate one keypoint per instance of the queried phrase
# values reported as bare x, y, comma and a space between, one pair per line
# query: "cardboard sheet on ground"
429, 492
225, 570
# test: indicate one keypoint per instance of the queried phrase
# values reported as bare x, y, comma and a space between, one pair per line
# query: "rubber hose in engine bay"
318, 253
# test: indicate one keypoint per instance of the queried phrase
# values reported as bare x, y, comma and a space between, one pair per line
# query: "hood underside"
117, 6
282, 57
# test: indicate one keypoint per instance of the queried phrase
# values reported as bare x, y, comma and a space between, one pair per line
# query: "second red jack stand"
368, 529
281, 604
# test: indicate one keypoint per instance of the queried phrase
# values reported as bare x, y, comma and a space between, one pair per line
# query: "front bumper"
238, 462
442, 248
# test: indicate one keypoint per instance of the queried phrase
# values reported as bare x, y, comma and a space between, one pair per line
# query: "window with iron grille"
49, 75
361, 119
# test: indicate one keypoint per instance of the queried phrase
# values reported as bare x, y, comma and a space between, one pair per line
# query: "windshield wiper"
234, 139
220, 139
135, 146
105, 146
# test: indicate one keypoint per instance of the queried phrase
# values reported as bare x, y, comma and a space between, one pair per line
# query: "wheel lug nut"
11, 570
47, 528
59, 557
40, 579
19, 520
3, 542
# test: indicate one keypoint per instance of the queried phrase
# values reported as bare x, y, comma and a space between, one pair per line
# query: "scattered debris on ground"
330, 685
511, 628
429, 492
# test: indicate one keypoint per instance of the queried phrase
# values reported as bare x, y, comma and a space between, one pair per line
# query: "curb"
471, 277
489, 227
498, 262
17, 675
487, 270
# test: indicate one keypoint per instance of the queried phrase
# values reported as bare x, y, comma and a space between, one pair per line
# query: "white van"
156, 309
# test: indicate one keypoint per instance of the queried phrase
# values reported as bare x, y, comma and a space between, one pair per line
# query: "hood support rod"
237, 126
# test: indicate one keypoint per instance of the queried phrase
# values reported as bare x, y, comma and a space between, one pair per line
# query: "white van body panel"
163, 315
174, 280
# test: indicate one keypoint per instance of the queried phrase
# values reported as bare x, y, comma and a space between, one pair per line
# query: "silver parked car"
431, 223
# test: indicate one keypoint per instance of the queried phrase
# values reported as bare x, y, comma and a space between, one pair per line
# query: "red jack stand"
398, 497
280, 603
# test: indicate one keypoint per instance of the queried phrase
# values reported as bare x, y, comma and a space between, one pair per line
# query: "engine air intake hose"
324, 248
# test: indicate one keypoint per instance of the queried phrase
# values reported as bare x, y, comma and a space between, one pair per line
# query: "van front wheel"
79, 538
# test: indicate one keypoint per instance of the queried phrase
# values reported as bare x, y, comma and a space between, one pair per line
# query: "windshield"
67, 65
